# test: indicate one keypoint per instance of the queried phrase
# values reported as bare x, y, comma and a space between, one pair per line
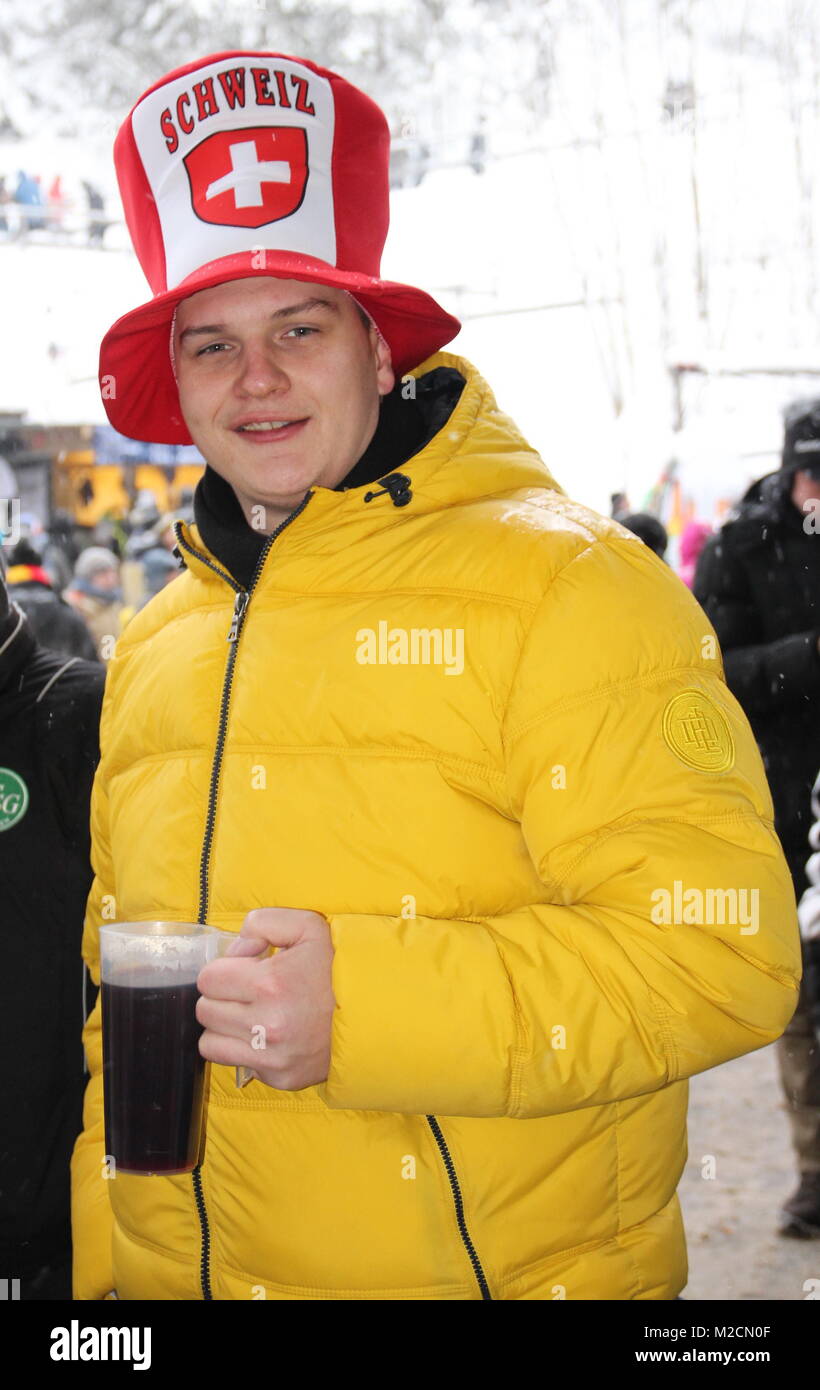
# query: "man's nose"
261, 371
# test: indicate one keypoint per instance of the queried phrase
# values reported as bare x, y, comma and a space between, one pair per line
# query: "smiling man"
462, 1073
280, 387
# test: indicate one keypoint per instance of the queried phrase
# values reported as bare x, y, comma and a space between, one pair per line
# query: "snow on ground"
740, 1170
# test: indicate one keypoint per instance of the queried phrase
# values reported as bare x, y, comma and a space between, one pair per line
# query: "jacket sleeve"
762, 675
631, 769
91, 1215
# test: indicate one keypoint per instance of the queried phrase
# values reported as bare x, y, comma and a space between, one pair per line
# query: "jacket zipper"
458, 1202
241, 602
240, 606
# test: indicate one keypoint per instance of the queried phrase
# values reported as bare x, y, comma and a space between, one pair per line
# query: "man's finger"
278, 926
234, 980
245, 946
228, 1051
234, 1020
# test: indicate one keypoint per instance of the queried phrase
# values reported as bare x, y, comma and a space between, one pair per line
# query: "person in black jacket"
54, 622
651, 531
759, 581
49, 732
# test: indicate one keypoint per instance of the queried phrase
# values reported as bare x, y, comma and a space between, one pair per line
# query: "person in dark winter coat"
54, 622
651, 531
49, 731
759, 581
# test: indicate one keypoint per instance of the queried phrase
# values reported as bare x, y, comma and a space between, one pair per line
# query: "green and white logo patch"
13, 798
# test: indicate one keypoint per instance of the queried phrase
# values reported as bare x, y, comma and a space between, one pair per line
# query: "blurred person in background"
159, 567
478, 147
111, 532
95, 593
28, 195
60, 549
758, 580
693, 538
57, 204
143, 519
54, 622
651, 531
97, 222
49, 721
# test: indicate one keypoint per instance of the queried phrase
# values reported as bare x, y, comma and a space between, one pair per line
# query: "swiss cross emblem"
246, 178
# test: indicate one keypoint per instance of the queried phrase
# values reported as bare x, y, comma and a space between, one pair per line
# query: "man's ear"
385, 376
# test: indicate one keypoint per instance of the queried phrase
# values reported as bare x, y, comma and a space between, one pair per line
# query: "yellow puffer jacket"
489, 821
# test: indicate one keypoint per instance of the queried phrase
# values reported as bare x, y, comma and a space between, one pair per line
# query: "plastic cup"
153, 1074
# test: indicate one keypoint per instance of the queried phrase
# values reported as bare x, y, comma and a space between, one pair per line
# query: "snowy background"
648, 201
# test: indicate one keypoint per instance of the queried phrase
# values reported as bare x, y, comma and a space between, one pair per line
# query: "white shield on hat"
245, 173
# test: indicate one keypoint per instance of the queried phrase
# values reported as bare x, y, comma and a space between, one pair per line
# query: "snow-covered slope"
488, 246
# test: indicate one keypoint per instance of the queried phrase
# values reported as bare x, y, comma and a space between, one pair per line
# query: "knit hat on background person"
157, 564
242, 164
801, 438
94, 560
25, 565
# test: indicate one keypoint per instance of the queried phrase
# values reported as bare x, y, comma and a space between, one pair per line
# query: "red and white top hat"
245, 164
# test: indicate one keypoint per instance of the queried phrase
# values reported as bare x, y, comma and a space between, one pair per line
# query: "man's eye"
210, 348
301, 328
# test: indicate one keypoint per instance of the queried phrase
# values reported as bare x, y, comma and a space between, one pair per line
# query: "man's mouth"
264, 430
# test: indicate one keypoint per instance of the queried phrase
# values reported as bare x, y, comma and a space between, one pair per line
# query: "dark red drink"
153, 1077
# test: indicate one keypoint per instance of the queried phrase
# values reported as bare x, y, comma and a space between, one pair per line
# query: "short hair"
650, 530
363, 315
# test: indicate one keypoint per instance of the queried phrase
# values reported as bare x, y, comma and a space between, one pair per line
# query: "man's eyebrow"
303, 307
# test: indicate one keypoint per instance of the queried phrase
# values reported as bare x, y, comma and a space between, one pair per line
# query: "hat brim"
137, 380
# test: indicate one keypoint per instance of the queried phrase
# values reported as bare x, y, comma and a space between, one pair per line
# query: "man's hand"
272, 1013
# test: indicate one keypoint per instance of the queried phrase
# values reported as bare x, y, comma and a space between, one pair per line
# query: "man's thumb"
267, 926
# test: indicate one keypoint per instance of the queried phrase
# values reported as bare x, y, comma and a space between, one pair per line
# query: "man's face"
279, 382
106, 579
805, 488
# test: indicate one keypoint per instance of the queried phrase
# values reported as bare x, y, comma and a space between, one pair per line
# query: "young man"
457, 747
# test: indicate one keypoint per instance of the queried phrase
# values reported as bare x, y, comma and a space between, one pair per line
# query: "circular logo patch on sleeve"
698, 732
13, 798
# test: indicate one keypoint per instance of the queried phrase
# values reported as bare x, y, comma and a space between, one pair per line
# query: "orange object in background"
91, 491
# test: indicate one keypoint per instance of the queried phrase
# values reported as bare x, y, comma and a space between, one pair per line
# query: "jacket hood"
767, 499
477, 453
